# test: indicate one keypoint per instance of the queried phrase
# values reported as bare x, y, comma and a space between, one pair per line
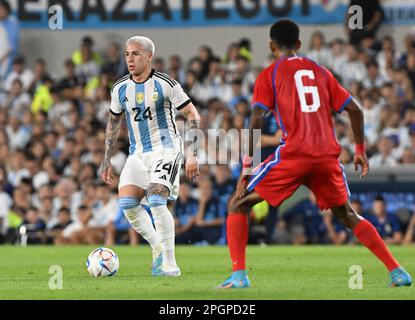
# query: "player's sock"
139, 219
369, 237
237, 236
163, 219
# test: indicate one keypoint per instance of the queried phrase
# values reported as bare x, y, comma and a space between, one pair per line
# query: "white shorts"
159, 166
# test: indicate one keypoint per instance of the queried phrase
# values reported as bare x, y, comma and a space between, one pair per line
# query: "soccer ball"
102, 262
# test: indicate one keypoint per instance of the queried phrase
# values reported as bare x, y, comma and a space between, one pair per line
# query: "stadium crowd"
52, 138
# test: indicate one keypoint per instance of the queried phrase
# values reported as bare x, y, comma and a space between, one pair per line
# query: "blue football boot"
157, 261
399, 278
238, 280
167, 271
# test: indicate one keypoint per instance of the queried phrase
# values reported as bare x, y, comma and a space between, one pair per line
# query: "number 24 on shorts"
166, 166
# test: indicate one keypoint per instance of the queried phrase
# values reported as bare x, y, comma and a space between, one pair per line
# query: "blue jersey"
214, 209
148, 108
387, 227
184, 211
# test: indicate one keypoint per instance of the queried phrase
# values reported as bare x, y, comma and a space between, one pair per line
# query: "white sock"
164, 222
141, 222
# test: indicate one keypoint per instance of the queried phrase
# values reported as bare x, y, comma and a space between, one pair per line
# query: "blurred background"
57, 66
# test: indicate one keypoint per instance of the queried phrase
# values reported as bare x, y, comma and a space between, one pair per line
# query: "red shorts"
277, 179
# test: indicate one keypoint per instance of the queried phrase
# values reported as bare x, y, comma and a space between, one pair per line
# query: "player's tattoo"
158, 189
111, 136
193, 126
185, 113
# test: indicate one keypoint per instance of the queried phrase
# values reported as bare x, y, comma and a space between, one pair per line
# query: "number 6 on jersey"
303, 90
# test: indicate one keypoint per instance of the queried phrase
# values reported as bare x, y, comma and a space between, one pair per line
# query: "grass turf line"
276, 272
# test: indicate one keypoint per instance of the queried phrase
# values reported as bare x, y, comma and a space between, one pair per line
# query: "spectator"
318, 50
17, 170
237, 94
388, 57
35, 227
17, 100
185, 210
352, 69
40, 72
42, 99
397, 133
385, 223
55, 231
114, 65
18, 135
243, 72
313, 229
159, 65
403, 86
384, 156
338, 57
408, 156
336, 231
205, 55
78, 231
87, 63
192, 86
70, 84
20, 72
176, 70
87, 44
410, 67
210, 214
11, 28
409, 237
5, 205
374, 79
215, 83
104, 211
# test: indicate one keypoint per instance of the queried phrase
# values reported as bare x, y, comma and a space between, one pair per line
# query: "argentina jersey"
148, 108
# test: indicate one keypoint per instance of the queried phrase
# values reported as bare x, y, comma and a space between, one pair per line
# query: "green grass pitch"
276, 272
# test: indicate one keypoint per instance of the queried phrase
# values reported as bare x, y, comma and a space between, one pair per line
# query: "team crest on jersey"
139, 97
155, 96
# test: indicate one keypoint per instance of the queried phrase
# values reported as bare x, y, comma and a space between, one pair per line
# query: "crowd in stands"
52, 139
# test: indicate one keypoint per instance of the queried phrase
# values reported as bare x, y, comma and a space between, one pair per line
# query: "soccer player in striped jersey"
147, 98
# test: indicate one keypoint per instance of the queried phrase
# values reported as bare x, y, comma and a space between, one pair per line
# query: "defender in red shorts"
302, 96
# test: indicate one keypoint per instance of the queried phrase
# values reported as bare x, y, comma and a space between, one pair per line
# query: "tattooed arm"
111, 136
193, 118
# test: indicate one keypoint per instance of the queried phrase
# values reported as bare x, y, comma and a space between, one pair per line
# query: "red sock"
237, 236
369, 237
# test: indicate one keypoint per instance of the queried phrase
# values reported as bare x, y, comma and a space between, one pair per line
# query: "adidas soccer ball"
102, 262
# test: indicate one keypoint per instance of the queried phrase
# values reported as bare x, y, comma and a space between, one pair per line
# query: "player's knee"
235, 206
155, 201
127, 204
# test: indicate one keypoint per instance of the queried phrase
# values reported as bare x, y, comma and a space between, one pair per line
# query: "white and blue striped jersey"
148, 108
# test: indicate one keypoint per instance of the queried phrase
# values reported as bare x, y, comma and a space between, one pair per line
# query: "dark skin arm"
356, 118
254, 123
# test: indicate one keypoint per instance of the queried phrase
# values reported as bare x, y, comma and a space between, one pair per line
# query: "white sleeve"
178, 97
116, 107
